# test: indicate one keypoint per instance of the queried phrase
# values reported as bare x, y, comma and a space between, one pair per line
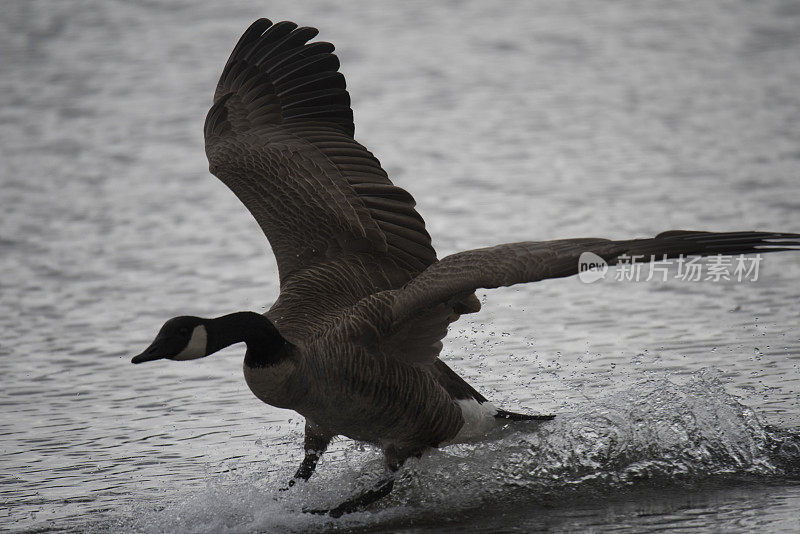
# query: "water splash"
657, 432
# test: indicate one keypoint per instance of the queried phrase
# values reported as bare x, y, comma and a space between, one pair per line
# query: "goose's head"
189, 338
181, 338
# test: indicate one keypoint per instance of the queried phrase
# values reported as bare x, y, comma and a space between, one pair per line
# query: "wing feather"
386, 316
280, 135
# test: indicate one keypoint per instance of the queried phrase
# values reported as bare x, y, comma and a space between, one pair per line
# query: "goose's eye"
183, 331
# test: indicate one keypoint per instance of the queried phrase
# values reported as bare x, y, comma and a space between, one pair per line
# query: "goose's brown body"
356, 394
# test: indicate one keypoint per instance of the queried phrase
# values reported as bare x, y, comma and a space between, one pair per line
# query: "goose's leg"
382, 488
316, 441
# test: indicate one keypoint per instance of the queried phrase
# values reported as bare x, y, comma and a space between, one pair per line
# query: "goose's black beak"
162, 347
152, 353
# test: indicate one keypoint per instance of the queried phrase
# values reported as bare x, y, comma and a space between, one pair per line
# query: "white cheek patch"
196, 348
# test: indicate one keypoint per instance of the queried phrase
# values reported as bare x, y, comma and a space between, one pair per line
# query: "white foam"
656, 430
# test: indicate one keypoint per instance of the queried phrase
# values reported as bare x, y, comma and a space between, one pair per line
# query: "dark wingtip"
708, 243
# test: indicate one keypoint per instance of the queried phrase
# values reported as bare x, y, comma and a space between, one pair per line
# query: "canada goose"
352, 343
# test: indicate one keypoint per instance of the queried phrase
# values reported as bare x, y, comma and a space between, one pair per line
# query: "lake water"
677, 401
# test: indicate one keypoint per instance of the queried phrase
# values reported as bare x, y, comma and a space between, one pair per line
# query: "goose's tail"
513, 416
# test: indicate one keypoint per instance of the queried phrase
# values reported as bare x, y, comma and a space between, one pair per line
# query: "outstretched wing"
280, 135
386, 314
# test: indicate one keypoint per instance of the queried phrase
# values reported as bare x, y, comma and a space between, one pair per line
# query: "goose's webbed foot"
360, 501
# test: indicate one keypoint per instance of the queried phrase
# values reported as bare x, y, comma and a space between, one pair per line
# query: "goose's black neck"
265, 345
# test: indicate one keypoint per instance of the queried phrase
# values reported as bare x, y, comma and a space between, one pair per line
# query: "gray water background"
508, 121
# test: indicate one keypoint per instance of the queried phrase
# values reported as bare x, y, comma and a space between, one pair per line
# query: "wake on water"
655, 433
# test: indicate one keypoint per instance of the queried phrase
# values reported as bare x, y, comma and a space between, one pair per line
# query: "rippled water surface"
678, 401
